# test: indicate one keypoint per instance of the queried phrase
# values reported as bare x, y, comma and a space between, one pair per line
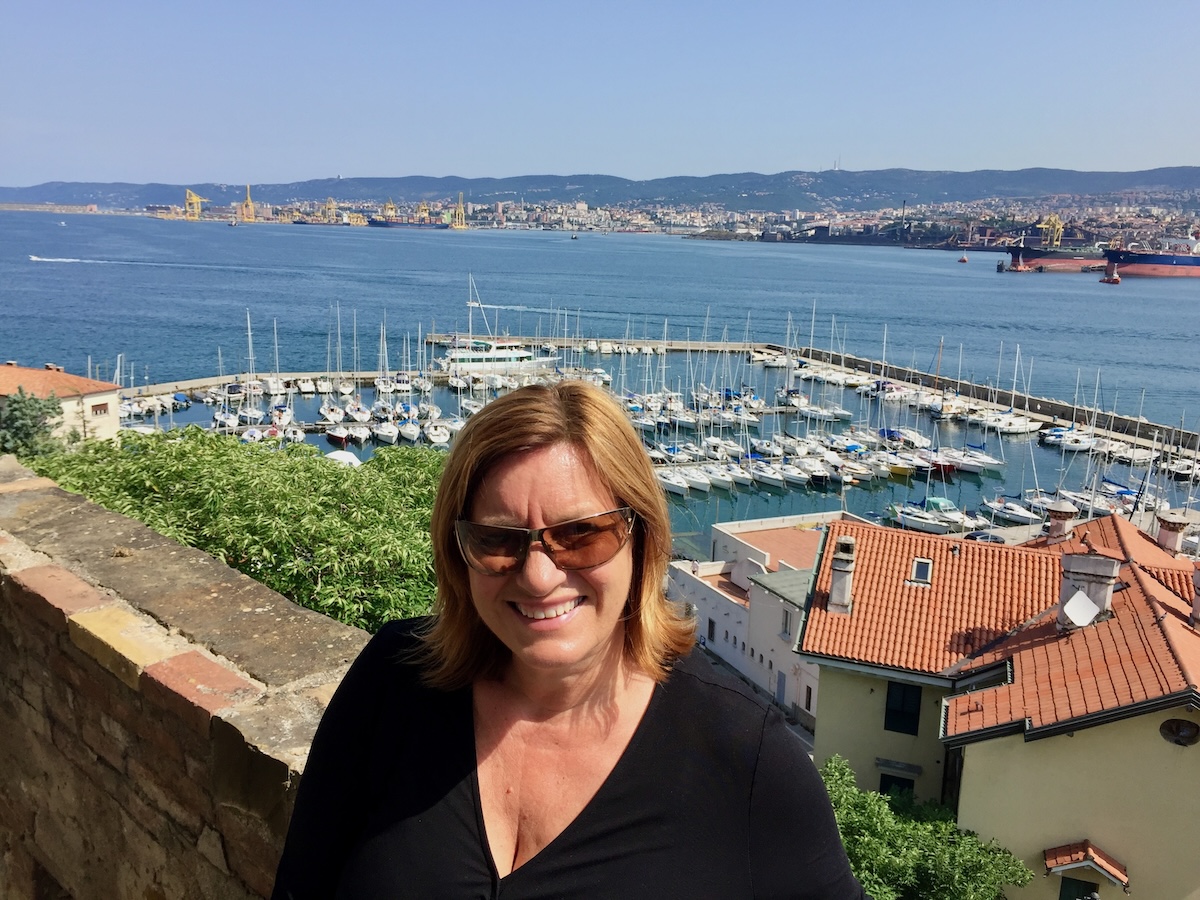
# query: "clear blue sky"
261, 92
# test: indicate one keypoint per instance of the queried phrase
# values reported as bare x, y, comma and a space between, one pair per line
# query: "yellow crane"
191, 206
331, 214
1051, 228
247, 209
459, 221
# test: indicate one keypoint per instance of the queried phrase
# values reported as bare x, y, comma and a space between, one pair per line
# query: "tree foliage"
901, 850
352, 543
27, 424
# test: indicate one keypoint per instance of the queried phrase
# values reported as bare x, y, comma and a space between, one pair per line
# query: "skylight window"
922, 570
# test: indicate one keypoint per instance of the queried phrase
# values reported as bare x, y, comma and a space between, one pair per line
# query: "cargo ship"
1054, 259
391, 218
1050, 255
1178, 260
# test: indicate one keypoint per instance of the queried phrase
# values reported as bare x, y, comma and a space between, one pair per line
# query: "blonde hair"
459, 647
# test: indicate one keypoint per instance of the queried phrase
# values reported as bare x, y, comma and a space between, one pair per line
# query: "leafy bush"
901, 850
352, 543
27, 423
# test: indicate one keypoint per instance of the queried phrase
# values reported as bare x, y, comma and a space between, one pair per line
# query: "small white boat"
305, 386
356, 411
718, 476
410, 430
359, 433
332, 413
672, 481
1010, 511
437, 433
696, 478
765, 473
793, 474
765, 447
385, 432
738, 474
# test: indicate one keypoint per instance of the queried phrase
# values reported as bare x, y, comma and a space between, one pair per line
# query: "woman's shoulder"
397, 647
698, 683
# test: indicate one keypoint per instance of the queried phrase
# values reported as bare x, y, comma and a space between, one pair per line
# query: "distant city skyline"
225, 92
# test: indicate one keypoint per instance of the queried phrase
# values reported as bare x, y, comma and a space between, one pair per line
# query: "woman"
551, 732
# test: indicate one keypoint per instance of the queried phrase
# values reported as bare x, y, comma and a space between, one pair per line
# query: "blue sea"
171, 299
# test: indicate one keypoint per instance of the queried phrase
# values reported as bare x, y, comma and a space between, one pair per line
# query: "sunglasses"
578, 544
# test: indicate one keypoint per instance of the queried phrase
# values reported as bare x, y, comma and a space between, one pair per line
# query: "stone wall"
156, 707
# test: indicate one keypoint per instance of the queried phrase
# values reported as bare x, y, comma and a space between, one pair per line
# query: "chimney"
842, 576
1093, 576
1170, 531
1061, 513
1194, 620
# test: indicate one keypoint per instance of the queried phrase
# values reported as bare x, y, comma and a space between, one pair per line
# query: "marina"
170, 301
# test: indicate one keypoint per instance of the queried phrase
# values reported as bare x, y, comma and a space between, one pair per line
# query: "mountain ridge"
834, 189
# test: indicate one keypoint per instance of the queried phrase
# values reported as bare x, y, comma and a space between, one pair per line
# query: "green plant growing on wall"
352, 543
27, 424
902, 850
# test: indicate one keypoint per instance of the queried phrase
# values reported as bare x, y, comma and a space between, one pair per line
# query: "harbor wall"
155, 707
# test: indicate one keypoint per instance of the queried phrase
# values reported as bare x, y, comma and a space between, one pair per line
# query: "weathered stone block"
194, 688
50, 594
122, 642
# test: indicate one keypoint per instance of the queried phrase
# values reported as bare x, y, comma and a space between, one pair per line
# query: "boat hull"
1033, 259
1154, 265
389, 223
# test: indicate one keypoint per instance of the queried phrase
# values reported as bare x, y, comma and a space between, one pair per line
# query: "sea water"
171, 299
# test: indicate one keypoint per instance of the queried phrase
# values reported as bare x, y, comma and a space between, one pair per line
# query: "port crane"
1051, 228
459, 220
247, 209
192, 205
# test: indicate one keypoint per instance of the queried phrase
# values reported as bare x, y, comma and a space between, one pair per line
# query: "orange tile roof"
975, 597
42, 383
1146, 652
1085, 853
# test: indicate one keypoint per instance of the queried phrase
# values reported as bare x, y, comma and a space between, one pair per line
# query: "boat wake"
56, 259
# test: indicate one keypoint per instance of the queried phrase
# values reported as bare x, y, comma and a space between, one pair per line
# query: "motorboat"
1010, 511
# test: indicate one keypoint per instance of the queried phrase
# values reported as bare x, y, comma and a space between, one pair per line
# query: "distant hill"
808, 191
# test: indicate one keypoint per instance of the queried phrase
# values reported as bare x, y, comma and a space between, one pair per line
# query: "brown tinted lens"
491, 548
587, 542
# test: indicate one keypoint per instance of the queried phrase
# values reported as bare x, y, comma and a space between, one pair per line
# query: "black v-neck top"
713, 797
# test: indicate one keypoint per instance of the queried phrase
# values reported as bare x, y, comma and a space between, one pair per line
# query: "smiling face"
554, 622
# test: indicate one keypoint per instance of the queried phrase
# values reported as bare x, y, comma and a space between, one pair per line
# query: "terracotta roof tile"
976, 595
1085, 852
1145, 651
43, 382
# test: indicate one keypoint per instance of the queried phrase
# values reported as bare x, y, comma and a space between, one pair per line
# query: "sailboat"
345, 386
384, 382
249, 411
274, 384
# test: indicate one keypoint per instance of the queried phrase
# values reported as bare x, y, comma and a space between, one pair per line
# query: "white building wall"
740, 635
770, 641
726, 620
